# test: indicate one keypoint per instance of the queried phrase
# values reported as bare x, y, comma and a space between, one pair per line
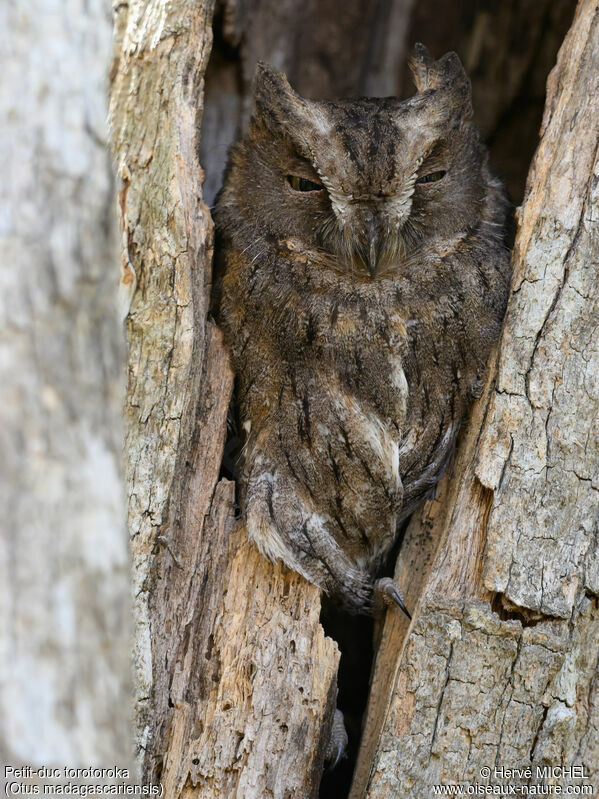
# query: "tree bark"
499, 667
64, 569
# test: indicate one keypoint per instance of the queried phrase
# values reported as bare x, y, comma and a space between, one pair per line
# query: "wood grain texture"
161, 53
497, 667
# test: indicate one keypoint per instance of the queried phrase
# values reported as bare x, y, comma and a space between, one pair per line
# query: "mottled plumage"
361, 281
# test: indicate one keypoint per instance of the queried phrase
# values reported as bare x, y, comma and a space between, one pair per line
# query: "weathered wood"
64, 570
268, 687
498, 667
156, 92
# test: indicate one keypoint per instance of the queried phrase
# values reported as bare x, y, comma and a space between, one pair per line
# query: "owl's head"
364, 182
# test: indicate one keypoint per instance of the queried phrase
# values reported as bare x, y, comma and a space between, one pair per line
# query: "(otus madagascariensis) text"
362, 280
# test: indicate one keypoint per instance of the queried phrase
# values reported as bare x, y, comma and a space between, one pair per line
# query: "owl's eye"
432, 177
303, 184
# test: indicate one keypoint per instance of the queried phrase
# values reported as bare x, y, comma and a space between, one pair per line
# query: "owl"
361, 280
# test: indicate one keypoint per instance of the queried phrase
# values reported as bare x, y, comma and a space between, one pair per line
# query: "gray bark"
64, 569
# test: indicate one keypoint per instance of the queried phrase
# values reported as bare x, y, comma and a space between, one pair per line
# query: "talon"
333, 762
388, 592
399, 600
338, 741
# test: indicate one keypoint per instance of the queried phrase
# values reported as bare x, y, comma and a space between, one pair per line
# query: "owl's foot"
386, 594
337, 742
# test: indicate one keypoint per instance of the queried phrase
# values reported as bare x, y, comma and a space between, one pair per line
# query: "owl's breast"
360, 337
344, 457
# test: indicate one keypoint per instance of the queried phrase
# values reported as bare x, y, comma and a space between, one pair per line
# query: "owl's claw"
337, 742
336, 756
386, 593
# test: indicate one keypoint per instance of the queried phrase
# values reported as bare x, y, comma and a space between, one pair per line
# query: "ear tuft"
273, 94
420, 62
448, 70
445, 75
268, 79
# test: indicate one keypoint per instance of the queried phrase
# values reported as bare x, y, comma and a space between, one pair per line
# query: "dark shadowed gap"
354, 635
221, 118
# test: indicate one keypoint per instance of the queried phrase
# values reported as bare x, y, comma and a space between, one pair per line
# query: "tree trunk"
64, 570
236, 681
